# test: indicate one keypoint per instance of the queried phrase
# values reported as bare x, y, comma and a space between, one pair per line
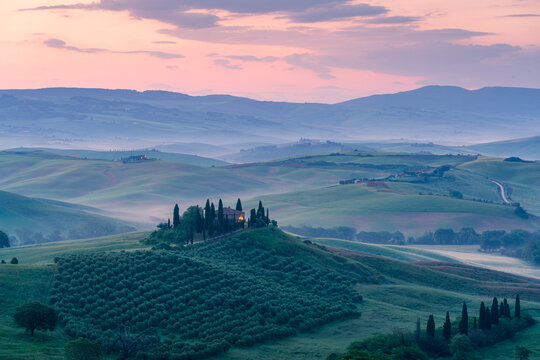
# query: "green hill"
259, 294
155, 185
36, 220
389, 207
520, 179
526, 148
117, 155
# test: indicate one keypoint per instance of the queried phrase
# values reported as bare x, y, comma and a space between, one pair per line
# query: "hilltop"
125, 118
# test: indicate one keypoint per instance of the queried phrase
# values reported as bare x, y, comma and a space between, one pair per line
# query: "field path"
503, 194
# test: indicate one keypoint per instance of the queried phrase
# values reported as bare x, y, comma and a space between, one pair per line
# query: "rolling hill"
118, 155
397, 191
387, 208
280, 271
526, 148
126, 119
30, 220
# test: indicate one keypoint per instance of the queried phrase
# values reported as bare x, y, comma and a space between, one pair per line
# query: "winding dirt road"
503, 194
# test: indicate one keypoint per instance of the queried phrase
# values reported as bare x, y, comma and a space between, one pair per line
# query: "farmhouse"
231, 213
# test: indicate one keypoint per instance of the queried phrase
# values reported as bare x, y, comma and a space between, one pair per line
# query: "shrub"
82, 349
35, 316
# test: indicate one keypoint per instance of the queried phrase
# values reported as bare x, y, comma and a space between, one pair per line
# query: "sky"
280, 50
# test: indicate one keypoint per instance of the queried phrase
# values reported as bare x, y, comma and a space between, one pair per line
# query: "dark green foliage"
4, 240
176, 217
517, 309
488, 319
430, 328
482, 316
506, 329
360, 355
444, 236
238, 205
82, 349
495, 311
221, 219
198, 220
14, 261
206, 297
35, 316
455, 194
460, 347
408, 353
522, 353
506, 309
464, 323
447, 327
521, 212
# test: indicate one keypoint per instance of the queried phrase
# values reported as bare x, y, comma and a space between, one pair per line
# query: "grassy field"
393, 252
117, 155
153, 186
21, 283
468, 254
45, 253
521, 180
23, 217
389, 207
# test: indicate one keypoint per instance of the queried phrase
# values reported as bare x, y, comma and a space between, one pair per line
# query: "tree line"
516, 243
458, 338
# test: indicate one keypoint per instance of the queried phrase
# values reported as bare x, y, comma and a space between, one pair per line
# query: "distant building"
238, 216
135, 158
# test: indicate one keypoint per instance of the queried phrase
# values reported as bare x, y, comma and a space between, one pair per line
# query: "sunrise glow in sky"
292, 50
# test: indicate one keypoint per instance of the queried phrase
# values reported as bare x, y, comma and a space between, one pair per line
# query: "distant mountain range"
126, 119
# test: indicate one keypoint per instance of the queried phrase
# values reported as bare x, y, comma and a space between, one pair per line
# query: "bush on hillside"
35, 316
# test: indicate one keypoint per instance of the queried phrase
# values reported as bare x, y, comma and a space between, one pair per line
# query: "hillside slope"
525, 148
232, 295
31, 220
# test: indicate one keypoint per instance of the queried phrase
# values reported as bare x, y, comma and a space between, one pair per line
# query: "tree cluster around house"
458, 338
203, 223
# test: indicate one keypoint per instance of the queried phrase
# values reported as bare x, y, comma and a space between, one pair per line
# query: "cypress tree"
464, 323
238, 205
506, 309
260, 211
176, 216
482, 317
488, 319
211, 227
168, 223
474, 323
417, 332
198, 220
220, 216
207, 213
501, 310
495, 311
252, 218
430, 328
447, 327
517, 310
